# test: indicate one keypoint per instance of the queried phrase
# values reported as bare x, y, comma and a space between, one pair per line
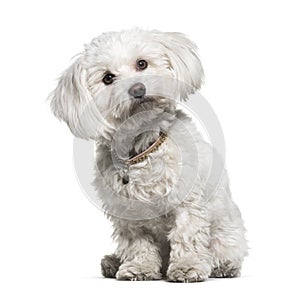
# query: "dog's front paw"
179, 272
226, 269
137, 272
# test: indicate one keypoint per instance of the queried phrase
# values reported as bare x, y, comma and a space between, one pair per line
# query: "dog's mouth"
144, 99
139, 97
153, 103
144, 103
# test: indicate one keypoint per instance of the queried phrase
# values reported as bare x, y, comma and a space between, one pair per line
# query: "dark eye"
108, 78
141, 64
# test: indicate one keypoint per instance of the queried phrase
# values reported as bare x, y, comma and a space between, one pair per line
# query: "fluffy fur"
185, 237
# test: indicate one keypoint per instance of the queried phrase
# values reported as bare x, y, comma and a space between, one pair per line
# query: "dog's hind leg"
228, 244
110, 265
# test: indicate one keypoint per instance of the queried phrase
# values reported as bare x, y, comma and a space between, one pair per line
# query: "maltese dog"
152, 167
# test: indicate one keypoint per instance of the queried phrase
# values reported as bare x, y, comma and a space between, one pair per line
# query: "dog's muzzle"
138, 90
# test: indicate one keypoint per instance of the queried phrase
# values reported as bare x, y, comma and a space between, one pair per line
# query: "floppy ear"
72, 102
184, 62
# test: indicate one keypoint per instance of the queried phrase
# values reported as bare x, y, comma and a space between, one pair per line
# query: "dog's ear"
184, 62
72, 102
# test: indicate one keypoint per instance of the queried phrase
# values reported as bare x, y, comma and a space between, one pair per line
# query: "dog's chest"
155, 176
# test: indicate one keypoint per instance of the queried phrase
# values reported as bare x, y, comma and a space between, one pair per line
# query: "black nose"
138, 90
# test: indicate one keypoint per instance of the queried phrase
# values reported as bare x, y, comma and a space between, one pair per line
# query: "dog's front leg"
139, 255
190, 258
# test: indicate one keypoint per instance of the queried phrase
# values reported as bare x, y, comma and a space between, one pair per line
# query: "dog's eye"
108, 78
141, 64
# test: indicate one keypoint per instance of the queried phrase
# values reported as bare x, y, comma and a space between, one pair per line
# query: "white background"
52, 238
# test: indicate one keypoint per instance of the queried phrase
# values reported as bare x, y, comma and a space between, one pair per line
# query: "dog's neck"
143, 141
135, 139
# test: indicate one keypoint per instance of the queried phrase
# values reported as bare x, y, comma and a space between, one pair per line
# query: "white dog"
153, 166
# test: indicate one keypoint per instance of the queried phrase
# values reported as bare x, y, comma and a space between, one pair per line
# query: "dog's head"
121, 73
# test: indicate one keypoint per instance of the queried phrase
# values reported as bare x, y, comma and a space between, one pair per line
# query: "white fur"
200, 236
